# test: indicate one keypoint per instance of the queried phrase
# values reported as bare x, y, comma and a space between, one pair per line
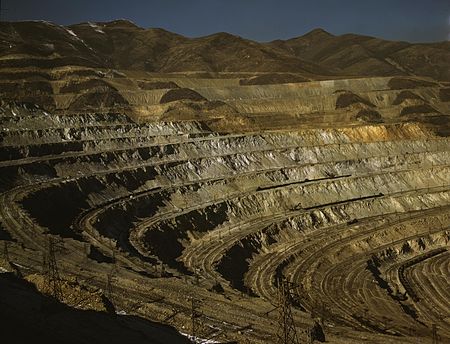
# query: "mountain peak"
121, 23
319, 32
221, 36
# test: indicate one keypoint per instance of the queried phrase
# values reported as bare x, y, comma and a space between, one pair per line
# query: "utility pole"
286, 332
52, 280
195, 315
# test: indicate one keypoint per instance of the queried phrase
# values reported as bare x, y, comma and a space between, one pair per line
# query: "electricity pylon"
286, 332
195, 315
52, 280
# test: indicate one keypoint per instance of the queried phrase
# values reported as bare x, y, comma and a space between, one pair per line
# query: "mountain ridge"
121, 44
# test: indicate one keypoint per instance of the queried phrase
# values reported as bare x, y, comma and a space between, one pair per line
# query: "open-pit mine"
218, 188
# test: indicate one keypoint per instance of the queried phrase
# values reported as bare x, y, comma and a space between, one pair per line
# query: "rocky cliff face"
237, 209
169, 189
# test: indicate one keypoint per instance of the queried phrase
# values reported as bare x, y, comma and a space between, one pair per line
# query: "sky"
261, 20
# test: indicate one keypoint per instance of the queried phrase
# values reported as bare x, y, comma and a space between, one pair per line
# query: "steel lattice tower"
286, 333
195, 315
52, 280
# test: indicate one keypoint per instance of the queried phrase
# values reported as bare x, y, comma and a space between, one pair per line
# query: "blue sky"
262, 20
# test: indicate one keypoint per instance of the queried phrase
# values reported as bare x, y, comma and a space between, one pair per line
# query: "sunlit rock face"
216, 185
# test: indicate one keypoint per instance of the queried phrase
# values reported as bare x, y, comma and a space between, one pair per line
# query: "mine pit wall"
301, 104
236, 261
300, 90
237, 148
409, 252
159, 191
389, 256
264, 205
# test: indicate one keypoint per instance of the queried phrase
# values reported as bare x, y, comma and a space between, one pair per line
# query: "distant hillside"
123, 45
352, 54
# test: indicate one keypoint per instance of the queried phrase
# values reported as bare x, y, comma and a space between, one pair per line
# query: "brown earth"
201, 171
123, 45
